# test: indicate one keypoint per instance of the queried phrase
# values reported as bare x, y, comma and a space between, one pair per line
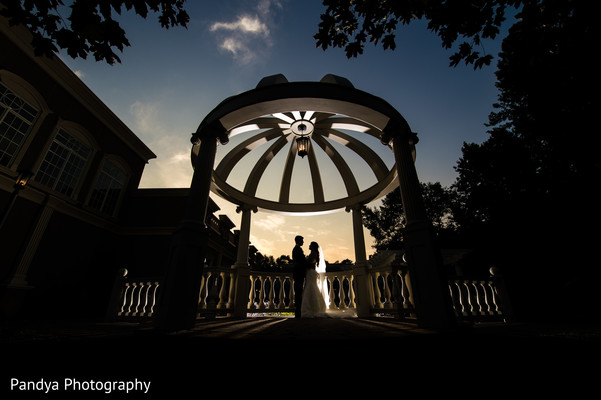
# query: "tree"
349, 24
530, 188
386, 223
90, 27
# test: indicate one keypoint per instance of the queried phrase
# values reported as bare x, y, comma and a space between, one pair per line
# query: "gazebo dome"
263, 167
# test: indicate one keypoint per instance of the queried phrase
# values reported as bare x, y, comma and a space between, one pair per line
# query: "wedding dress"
314, 303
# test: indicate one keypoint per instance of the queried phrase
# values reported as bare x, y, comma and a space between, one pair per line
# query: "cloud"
247, 38
171, 168
244, 24
144, 117
79, 73
270, 222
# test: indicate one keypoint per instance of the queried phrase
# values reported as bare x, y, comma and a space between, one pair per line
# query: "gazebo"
298, 120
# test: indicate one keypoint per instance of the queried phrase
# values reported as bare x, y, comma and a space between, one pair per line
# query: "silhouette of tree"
528, 190
349, 24
90, 27
386, 223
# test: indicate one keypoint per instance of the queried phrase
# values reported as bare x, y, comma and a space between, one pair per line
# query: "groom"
298, 274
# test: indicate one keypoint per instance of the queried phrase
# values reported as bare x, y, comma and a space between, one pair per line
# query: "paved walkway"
268, 352
288, 328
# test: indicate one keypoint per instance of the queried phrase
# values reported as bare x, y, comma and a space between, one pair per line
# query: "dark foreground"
261, 357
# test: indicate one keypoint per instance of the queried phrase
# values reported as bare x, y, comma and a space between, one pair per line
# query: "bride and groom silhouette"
310, 286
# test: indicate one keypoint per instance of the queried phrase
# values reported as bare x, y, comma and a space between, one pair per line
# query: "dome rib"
345, 172
257, 172
318, 196
365, 152
237, 153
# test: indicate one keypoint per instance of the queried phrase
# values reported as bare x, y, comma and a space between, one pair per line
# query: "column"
178, 304
19, 277
430, 289
361, 267
242, 287
14, 289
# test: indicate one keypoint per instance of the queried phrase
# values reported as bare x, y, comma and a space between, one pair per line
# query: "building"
72, 211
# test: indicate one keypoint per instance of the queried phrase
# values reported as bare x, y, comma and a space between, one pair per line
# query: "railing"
273, 292
392, 293
133, 299
216, 295
479, 299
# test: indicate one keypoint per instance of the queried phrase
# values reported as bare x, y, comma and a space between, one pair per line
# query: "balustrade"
137, 298
477, 298
392, 294
273, 293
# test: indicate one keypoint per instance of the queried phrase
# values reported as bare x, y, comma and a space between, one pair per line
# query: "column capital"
355, 207
211, 130
398, 129
245, 207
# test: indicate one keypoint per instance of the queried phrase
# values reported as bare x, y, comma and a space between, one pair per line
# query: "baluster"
202, 294
342, 295
251, 294
468, 297
495, 298
352, 303
338, 282
125, 296
331, 293
209, 300
396, 296
272, 296
222, 302
280, 304
455, 297
155, 288
407, 303
377, 294
287, 287
476, 299
231, 292
261, 293
132, 301
484, 305
144, 286
463, 308
269, 295
387, 291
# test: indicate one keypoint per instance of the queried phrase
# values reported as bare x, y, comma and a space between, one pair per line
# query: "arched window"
109, 188
64, 163
17, 117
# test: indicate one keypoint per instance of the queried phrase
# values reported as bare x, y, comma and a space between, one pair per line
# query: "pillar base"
242, 289
363, 295
430, 288
178, 303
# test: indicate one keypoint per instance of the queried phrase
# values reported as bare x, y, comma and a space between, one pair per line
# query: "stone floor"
273, 353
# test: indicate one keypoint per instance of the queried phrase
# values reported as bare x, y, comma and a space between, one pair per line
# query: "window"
64, 163
16, 119
109, 186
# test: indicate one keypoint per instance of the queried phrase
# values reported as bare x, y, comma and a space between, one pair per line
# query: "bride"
315, 294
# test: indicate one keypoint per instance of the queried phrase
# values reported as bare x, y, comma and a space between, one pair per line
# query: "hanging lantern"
302, 129
302, 144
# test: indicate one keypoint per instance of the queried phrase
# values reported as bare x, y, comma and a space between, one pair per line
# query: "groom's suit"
298, 273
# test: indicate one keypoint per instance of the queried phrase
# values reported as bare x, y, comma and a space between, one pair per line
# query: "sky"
169, 80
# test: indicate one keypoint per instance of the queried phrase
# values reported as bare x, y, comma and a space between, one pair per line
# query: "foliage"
387, 222
349, 24
90, 27
528, 191
535, 160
